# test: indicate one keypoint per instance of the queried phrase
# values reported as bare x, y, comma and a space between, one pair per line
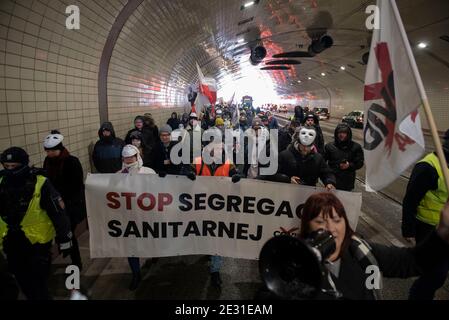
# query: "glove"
191, 176
236, 178
162, 174
65, 248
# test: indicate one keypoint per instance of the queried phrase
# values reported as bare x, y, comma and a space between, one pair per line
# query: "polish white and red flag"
207, 88
393, 138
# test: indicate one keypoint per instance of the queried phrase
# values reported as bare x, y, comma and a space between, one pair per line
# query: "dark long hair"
324, 202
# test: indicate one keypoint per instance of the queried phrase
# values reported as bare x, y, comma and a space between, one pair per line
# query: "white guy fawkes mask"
307, 136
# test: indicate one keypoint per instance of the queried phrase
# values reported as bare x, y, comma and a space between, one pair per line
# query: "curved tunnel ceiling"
179, 33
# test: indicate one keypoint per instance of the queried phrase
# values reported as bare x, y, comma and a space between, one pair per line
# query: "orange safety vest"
204, 170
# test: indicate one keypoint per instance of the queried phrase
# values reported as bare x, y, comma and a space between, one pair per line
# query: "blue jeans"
134, 264
215, 263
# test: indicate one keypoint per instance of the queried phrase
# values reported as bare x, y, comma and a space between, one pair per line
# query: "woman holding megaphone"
348, 267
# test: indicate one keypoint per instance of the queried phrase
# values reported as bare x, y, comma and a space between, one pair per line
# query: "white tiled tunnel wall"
48, 77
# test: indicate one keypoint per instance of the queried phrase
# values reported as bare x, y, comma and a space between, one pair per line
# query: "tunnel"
72, 65
132, 57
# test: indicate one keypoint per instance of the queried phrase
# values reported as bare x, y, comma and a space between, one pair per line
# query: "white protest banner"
148, 216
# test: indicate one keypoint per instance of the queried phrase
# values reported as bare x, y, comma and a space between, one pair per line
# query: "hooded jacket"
337, 152
308, 168
107, 154
138, 167
174, 122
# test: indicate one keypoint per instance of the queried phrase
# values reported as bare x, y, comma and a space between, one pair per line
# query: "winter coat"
150, 135
284, 138
139, 168
15, 195
66, 175
107, 154
162, 154
174, 122
308, 168
337, 152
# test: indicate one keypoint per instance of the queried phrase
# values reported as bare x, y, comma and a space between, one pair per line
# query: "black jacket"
150, 137
336, 152
424, 178
107, 154
284, 138
161, 154
68, 179
15, 197
174, 122
308, 168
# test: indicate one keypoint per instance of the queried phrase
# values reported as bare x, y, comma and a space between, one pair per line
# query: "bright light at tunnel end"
254, 83
422, 45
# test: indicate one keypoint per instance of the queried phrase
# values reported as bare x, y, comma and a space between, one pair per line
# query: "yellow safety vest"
434, 200
36, 224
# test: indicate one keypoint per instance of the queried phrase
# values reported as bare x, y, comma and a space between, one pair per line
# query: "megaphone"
293, 268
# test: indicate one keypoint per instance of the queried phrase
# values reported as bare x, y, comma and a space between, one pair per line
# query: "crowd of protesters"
303, 157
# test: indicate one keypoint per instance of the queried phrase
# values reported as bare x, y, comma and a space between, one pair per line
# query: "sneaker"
215, 279
135, 282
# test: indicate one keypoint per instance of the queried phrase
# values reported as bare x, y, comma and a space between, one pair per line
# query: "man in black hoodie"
107, 155
344, 157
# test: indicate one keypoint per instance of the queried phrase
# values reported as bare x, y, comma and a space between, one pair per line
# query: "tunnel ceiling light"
343, 68
299, 81
240, 40
422, 45
249, 4
310, 78
323, 74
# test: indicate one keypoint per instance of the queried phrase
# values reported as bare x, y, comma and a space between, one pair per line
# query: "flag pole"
422, 92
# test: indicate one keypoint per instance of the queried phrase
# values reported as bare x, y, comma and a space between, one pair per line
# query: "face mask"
307, 136
133, 165
18, 175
